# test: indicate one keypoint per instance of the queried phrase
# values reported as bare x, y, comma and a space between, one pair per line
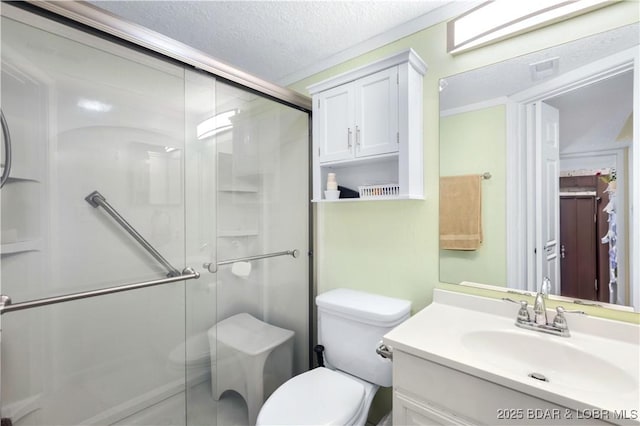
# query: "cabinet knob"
349, 134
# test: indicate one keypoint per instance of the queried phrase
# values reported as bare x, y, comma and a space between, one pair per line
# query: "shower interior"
205, 170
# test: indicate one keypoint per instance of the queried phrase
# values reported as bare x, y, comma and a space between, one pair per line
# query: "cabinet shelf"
358, 200
15, 179
376, 159
240, 233
240, 189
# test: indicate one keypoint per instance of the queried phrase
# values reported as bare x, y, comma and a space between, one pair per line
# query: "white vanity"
462, 360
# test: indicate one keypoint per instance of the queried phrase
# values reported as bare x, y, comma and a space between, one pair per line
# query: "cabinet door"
409, 412
376, 130
333, 121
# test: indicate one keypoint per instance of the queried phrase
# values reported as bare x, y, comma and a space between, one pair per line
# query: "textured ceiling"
274, 40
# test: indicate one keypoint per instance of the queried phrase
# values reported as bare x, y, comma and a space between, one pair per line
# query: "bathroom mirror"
549, 137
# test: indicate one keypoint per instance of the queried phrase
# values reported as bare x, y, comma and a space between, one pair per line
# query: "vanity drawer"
468, 398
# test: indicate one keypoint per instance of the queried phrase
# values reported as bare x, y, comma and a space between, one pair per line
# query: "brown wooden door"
578, 247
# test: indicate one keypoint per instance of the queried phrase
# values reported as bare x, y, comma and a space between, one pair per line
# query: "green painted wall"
481, 136
391, 247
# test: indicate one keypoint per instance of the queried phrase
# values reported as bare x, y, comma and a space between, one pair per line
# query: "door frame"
521, 232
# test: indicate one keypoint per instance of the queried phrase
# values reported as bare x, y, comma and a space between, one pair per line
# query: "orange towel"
461, 212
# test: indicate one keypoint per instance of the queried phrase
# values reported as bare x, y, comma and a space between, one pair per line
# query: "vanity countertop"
597, 368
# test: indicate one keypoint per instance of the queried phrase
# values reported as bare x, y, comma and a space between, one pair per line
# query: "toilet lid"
192, 352
317, 397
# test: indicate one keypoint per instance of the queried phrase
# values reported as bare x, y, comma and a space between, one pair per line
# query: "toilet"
193, 356
350, 327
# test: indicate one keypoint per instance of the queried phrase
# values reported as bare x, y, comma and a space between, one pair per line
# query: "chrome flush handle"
385, 351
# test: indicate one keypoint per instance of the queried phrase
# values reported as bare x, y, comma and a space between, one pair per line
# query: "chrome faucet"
558, 326
539, 307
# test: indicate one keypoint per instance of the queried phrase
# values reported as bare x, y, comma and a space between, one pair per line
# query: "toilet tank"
350, 327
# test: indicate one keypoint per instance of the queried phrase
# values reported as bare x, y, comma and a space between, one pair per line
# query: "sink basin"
556, 359
597, 366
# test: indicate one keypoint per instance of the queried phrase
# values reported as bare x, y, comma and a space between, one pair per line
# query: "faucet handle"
523, 312
560, 321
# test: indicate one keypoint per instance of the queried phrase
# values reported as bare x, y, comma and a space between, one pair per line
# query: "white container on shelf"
379, 191
332, 195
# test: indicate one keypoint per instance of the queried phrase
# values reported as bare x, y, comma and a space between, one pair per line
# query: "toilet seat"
193, 352
317, 397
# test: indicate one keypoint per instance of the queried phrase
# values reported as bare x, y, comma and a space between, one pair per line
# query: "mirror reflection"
536, 159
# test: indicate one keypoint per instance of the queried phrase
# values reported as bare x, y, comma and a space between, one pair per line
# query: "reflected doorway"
584, 257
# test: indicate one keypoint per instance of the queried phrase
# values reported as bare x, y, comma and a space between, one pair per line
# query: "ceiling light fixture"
499, 19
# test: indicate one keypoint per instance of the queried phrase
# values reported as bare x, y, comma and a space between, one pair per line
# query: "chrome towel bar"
213, 267
7, 306
96, 199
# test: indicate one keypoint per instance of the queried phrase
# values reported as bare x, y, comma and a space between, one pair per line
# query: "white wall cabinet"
360, 118
376, 126
333, 123
367, 127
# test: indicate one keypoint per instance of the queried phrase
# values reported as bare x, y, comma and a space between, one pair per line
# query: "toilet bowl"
350, 327
192, 355
334, 398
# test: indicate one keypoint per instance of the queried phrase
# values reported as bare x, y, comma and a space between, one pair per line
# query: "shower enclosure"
145, 201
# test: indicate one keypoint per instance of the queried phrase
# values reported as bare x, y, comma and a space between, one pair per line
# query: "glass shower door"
86, 115
262, 241
208, 174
